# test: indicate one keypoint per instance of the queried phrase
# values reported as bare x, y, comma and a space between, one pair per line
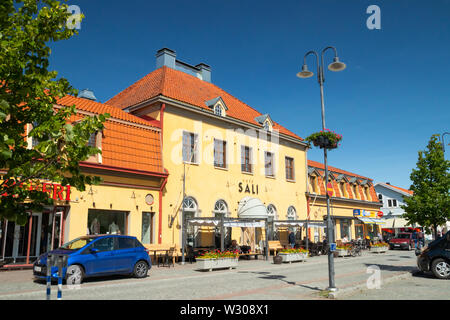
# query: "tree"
28, 95
430, 204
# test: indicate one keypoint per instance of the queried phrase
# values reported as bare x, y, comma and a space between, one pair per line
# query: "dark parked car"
98, 255
436, 257
403, 240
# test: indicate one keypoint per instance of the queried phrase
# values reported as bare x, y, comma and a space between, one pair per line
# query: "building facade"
220, 153
354, 205
128, 200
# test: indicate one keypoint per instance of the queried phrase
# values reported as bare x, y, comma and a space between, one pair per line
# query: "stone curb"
346, 291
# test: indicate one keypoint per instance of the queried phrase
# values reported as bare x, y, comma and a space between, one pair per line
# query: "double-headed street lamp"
335, 66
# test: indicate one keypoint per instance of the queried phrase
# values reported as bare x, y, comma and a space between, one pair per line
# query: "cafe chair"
167, 258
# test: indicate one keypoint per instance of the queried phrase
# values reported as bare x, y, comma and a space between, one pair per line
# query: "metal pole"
330, 230
267, 239
183, 227
60, 271
222, 233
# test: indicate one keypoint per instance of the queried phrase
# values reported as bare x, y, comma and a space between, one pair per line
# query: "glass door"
57, 230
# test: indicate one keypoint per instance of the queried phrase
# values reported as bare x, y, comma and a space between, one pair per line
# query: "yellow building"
225, 153
128, 200
354, 206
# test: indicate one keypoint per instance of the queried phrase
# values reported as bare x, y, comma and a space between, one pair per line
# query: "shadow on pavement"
385, 267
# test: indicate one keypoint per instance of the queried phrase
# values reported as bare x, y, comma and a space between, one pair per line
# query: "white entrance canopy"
251, 208
288, 224
226, 223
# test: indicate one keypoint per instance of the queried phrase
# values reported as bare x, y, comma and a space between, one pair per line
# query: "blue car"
98, 255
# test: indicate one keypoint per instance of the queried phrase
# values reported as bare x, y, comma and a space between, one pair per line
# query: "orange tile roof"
186, 88
130, 144
401, 189
321, 166
99, 108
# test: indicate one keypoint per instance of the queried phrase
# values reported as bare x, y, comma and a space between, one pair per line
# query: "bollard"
60, 266
49, 275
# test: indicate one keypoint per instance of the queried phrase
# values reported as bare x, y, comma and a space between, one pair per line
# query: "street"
251, 280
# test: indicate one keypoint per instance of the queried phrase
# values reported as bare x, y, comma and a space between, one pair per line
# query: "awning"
252, 208
228, 224
396, 223
372, 221
316, 225
288, 224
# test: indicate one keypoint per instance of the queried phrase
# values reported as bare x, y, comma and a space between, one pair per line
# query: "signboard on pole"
329, 189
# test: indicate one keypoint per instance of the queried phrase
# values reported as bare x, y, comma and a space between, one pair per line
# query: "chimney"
87, 94
165, 57
205, 71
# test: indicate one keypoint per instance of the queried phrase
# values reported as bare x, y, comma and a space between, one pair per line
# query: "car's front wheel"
441, 268
74, 275
140, 269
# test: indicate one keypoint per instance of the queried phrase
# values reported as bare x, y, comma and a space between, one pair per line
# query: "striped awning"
288, 224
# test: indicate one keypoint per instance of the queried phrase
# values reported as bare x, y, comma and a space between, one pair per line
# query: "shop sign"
329, 189
380, 214
356, 213
56, 191
248, 188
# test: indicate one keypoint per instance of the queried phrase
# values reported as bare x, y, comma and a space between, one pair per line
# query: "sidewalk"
251, 280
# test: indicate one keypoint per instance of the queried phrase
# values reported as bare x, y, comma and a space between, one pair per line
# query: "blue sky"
392, 97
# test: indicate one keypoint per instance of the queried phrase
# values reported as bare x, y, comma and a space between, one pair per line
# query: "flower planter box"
210, 264
341, 253
292, 257
379, 249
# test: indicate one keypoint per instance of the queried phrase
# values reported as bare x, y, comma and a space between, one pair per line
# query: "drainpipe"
160, 210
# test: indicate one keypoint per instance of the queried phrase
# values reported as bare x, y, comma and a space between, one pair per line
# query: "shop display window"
106, 222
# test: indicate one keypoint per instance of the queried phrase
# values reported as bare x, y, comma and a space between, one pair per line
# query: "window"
126, 243
272, 211
289, 168
106, 222
291, 213
190, 141
218, 110
266, 125
269, 164
246, 160
147, 227
342, 190
190, 211
220, 154
312, 182
392, 202
104, 244
345, 225
272, 231
380, 197
93, 140
355, 192
221, 210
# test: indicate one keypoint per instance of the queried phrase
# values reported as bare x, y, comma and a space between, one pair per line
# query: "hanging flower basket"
325, 139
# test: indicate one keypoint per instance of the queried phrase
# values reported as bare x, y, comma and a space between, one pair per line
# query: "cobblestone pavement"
251, 280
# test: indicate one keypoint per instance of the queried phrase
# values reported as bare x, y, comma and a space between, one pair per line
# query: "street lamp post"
443, 142
335, 66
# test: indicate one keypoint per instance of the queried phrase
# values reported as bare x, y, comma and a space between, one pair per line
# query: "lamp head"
305, 73
336, 65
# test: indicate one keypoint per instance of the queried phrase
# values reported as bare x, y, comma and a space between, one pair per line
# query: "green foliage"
430, 204
325, 138
28, 93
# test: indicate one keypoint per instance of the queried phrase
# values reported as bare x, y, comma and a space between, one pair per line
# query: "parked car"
97, 255
403, 240
436, 257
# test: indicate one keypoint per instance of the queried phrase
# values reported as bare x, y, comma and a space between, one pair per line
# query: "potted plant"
217, 260
342, 251
290, 255
325, 139
379, 247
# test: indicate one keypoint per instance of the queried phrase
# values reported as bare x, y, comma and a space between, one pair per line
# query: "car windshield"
403, 236
77, 243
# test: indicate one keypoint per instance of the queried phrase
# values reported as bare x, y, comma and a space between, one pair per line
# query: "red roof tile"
321, 166
186, 88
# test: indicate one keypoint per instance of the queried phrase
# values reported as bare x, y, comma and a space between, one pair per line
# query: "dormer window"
218, 106
266, 126
218, 110
265, 121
